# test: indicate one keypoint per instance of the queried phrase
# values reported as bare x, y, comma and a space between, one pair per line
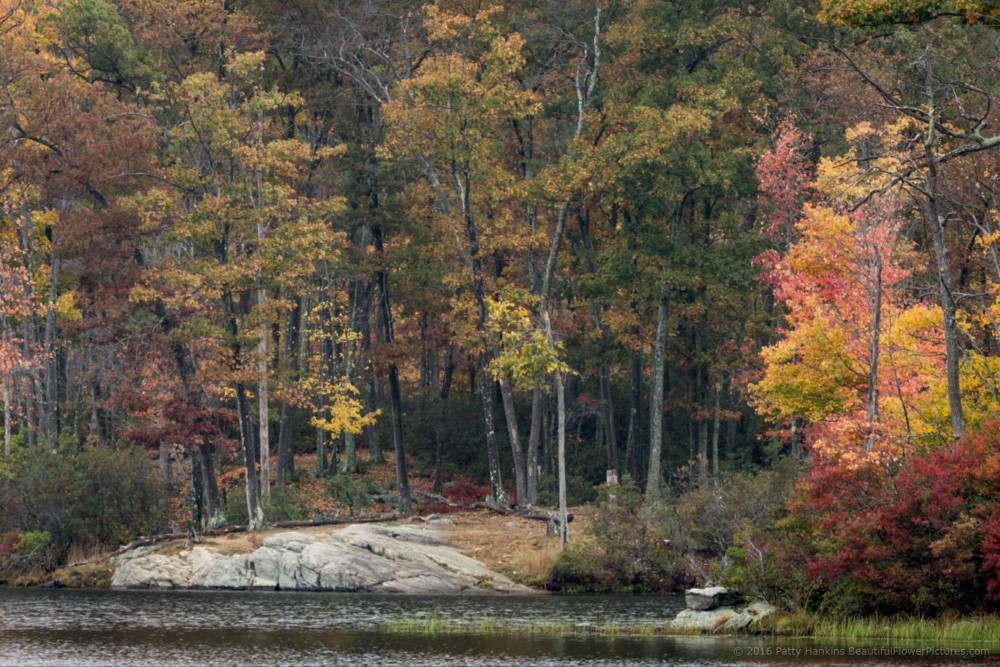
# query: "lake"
89, 628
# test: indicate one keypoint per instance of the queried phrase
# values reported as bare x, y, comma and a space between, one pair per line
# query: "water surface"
90, 628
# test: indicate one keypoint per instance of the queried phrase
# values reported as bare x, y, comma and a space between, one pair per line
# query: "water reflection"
92, 628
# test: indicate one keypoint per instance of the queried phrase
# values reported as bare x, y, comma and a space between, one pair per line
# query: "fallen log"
524, 512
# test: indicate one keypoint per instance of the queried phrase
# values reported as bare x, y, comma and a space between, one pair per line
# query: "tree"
240, 212
945, 99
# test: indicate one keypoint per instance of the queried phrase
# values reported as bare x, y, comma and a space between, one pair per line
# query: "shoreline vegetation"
978, 629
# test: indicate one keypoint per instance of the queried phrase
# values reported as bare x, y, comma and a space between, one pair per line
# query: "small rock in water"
723, 619
705, 599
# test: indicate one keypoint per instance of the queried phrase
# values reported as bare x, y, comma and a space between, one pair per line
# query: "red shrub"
465, 492
926, 539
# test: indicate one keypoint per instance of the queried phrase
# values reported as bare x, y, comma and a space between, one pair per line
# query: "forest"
728, 270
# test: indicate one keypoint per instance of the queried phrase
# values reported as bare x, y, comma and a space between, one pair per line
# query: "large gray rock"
372, 557
722, 619
152, 571
704, 599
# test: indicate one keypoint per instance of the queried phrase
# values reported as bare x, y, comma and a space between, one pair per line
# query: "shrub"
90, 497
21, 553
579, 568
628, 553
347, 490
925, 539
284, 506
235, 511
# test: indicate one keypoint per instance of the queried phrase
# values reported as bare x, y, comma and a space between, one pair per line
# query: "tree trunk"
875, 302
608, 413
358, 296
702, 397
563, 513
255, 515
402, 480
325, 361
520, 480
293, 324
442, 425
633, 450
212, 506
321, 465
497, 493
6, 418
534, 442
656, 403
946, 288
262, 414
561, 444
49, 419
371, 431
716, 423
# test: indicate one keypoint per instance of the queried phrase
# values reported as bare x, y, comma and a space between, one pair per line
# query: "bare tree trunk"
656, 404
489, 418
262, 404
520, 480
255, 515
561, 455
534, 442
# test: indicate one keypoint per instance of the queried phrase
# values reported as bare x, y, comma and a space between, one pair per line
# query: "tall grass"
980, 629
967, 630
436, 624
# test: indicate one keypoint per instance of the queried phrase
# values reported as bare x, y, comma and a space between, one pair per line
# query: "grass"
969, 629
436, 624
981, 629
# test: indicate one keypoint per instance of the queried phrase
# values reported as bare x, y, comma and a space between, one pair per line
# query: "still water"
89, 628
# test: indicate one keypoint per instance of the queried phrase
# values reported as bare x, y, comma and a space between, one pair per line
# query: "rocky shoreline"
358, 558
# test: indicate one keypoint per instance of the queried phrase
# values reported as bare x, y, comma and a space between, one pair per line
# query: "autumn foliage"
922, 539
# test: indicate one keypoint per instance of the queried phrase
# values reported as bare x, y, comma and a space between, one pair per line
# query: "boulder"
705, 599
370, 557
153, 571
722, 619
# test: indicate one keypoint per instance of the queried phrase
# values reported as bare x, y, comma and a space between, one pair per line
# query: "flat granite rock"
369, 557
